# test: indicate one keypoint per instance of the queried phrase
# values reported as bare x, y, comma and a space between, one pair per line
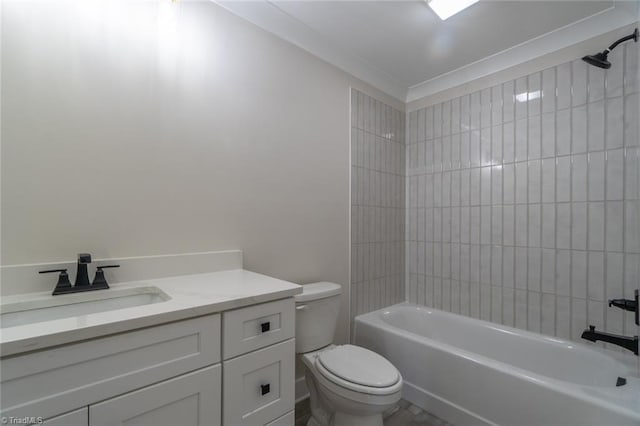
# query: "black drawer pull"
265, 326
265, 389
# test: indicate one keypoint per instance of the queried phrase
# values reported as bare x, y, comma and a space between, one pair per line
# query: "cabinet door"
259, 386
75, 418
189, 400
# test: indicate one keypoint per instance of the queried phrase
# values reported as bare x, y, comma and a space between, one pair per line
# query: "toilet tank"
317, 309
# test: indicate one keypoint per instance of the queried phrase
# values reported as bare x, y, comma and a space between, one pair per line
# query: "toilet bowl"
348, 385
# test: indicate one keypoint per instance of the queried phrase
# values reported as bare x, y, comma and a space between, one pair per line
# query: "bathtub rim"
571, 389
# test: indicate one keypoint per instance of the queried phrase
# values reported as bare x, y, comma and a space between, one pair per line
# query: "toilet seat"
359, 370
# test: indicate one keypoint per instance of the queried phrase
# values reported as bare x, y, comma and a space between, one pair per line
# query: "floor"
405, 414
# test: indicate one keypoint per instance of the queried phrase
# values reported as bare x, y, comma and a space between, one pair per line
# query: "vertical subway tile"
631, 114
614, 225
508, 144
534, 94
508, 172
485, 108
596, 181
563, 179
508, 225
579, 226
548, 225
508, 307
534, 137
534, 222
631, 69
632, 226
563, 132
563, 317
579, 274
508, 266
521, 183
496, 185
596, 84
595, 284
596, 226
548, 140
521, 309
521, 98
548, 271
508, 99
496, 265
485, 146
613, 76
563, 231
548, 90
563, 272
579, 177
615, 170
548, 180
521, 267
496, 105
579, 82
614, 124
579, 129
474, 111
485, 185
496, 145
533, 311
548, 310
595, 126
534, 181
632, 174
521, 224
521, 139
534, 269
563, 85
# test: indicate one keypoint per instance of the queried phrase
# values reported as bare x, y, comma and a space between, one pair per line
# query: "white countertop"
191, 296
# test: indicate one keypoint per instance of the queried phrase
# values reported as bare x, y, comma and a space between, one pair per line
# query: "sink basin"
49, 308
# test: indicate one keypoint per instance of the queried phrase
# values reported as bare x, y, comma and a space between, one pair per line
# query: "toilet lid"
359, 365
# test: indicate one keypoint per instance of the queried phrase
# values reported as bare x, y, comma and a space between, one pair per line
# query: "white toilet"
348, 385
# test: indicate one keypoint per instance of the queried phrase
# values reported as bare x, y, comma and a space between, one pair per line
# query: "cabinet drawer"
191, 399
58, 380
254, 327
259, 387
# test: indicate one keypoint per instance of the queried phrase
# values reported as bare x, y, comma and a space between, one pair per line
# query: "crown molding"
271, 18
620, 14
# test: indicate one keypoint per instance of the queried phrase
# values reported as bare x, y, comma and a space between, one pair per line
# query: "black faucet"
82, 277
630, 343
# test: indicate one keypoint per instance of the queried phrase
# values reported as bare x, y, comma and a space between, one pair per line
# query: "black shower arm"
633, 36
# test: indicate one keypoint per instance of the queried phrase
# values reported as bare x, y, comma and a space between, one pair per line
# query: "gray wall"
525, 210
141, 128
377, 204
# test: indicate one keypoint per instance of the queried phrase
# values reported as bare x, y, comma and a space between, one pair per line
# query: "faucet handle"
592, 328
99, 281
63, 285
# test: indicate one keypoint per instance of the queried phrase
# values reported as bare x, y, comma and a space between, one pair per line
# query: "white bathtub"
469, 371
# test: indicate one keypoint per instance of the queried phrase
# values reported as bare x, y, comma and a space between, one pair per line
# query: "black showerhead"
600, 59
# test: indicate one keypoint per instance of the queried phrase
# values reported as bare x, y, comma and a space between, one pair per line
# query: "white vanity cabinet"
164, 375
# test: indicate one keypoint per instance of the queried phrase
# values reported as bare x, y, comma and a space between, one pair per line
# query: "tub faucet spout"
630, 343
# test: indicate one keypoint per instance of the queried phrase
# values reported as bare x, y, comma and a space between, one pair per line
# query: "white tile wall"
378, 202
523, 200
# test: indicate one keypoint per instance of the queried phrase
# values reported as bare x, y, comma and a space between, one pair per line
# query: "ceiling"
402, 46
